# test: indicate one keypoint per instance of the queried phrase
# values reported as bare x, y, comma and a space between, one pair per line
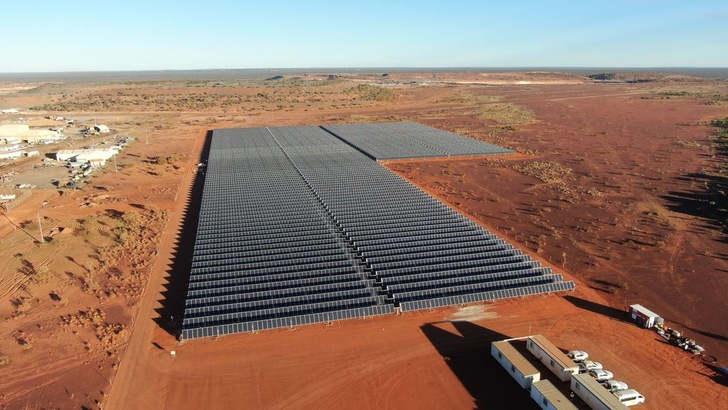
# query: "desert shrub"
505, 114
129, 222
42, 274
367, 92
4, 360
131, 218
548, 172
603, 76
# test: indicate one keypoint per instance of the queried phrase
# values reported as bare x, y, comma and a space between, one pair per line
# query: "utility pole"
40, 228
115, 169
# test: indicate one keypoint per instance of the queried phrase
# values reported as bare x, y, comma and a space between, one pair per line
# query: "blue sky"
81, 35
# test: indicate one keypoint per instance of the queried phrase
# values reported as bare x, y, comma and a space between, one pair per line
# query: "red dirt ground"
621, 213
627, 218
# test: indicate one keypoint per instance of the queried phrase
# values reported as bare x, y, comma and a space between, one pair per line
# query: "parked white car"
578, 356
587, 365
601, 375
629, 397
615, 385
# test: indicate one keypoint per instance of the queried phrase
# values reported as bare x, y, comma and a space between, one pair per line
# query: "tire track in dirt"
136, 354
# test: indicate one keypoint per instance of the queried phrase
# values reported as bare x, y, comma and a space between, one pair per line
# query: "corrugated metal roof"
598, 391
553, 395
554, 352
644, 310
516, 358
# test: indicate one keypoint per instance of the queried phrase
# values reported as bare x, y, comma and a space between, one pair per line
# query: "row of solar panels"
409, 140
491, 295
275, 282
409, 275
287, 321
266, 249
298, 227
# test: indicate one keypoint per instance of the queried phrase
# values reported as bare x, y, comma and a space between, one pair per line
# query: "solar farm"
301, 225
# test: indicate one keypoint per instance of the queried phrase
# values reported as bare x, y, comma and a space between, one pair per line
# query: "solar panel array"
400, 140
298, 227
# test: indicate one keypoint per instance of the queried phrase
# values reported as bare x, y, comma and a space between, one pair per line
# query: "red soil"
622, 223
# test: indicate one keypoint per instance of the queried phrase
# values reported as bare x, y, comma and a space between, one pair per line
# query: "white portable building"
548, 397
594, 394
515, 363
556, 360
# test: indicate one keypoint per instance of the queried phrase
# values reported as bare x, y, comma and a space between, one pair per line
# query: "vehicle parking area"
42, 177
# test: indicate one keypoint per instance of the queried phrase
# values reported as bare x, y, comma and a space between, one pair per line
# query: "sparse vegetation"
109, 334
549, 171
506, 114
251, 96
708, 98
21, 305
603, 76
129, 222
23, 339
367, 92
35, 274
165, 160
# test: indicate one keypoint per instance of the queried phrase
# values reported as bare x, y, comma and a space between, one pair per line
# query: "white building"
12, 140
13, 147
23, 132
644, 317
594, 394
101, 129
13, 130
556, 360
67, 154
12, 154
515, 364
548, 397
84, 155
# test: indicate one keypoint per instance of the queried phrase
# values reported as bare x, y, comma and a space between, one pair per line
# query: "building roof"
13, 130
598, 391
553, 395
554, 352
644, 310
515, 357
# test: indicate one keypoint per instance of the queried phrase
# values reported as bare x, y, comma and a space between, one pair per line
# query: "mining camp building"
515, 363
558, 362
594, 394
548, 397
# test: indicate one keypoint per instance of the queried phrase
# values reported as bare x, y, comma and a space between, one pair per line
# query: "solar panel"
298, 225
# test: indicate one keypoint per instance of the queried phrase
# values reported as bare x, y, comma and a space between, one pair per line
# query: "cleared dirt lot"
613, 188
436, 359
608, 185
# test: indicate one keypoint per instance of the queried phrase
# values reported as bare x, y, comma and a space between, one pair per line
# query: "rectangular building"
594, 394
643, 316
515, 363
556, 360
548, 397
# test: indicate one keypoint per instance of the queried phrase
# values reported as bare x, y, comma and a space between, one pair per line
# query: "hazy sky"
80, 35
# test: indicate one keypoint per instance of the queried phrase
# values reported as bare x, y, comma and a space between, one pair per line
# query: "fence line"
19, 199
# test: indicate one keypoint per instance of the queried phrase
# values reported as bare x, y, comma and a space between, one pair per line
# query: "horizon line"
374, 68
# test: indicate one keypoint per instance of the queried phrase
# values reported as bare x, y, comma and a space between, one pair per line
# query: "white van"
629, 397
